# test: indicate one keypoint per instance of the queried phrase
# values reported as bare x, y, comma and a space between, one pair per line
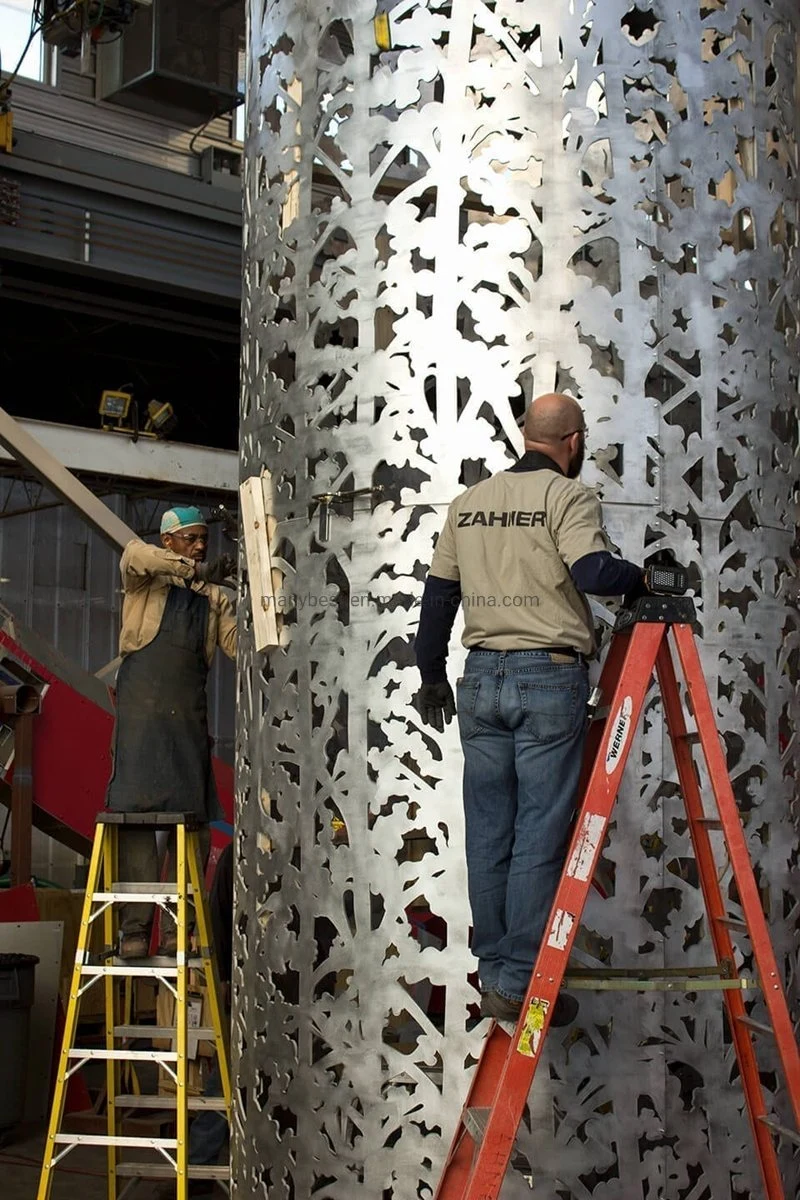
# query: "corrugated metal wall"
58, 578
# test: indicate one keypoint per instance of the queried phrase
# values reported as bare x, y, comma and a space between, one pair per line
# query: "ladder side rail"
213, 985
491, 1161
110, 874
769, 973
70, 1022
485, 1078
716, 912
609, 674
181, 1016
482, 1089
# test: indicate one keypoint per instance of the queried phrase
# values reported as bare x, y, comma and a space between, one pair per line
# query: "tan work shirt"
510, 541
148, 572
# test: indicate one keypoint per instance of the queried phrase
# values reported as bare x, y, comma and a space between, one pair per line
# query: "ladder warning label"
561, 929
620, 728
531, 1037
580, 863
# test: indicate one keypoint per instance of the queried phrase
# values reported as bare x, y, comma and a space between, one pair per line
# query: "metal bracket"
657, 610
329, 500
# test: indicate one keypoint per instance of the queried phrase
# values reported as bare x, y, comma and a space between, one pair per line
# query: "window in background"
16, 20
239, 111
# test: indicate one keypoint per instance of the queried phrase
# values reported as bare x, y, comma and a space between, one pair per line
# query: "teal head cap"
181, 518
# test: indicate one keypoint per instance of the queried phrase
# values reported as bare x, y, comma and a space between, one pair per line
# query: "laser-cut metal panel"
517, 197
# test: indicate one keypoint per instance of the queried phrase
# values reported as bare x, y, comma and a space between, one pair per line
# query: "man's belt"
565, 651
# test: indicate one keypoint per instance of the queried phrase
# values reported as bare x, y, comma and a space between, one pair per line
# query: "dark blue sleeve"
440, 602
601, 574
221, 910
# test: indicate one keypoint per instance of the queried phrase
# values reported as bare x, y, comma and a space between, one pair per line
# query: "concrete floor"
81, 1175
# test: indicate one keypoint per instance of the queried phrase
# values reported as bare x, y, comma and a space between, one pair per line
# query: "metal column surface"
515, 197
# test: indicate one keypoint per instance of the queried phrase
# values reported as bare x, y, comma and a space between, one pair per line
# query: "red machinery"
72, 739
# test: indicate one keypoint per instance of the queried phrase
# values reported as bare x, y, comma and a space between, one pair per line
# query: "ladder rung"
661, 983
756, 1026
713, 969
195, 1103
148, 1032
691, 737
141, 890
125, 1055
732, 924
99, 1139
781, 1130
475, 1121
710, 822
154, 1170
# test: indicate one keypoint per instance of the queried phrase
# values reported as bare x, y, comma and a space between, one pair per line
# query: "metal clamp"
329, 500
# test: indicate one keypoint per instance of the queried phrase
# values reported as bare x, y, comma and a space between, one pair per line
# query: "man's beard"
574, 468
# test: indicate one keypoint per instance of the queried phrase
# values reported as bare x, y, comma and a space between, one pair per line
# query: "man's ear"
166, 541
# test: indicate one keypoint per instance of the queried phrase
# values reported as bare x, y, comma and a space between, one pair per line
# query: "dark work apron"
162, 759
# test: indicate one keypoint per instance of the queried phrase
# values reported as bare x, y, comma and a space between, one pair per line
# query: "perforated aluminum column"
517, 197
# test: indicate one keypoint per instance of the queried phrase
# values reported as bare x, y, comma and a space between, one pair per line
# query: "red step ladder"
644, 638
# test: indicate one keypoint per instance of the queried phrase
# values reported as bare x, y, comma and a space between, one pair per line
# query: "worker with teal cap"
174, 616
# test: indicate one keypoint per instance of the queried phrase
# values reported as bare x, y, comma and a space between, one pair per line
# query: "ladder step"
125, 1055
733, 924
475, 1121
98, 1139
169, 1103
160, 965
710, 822
780, 1130
756, 1026
157, 960
164, 891
148, 1032
155, 1170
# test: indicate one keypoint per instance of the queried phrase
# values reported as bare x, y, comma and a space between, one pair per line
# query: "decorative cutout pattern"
596, 197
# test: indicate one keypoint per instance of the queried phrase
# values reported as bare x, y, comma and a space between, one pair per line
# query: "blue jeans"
522, 719
209, 1130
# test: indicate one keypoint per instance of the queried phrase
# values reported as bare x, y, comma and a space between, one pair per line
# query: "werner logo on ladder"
650, 636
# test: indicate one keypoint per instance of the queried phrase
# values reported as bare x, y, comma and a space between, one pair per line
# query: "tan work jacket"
510, 541
148, 572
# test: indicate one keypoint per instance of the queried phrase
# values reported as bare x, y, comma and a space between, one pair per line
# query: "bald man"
519, 550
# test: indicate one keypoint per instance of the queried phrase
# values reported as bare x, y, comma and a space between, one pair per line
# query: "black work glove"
640, 589
217, 570
436, 704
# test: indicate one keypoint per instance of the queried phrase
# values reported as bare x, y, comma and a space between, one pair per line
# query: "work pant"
140, 862
522, 718
209, 1131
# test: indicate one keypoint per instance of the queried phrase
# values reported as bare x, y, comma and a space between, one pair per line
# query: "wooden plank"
58, 479
257, 529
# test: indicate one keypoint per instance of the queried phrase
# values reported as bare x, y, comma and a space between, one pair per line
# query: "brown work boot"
503, 1009
134, 945
500, 1007
169, 942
